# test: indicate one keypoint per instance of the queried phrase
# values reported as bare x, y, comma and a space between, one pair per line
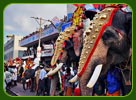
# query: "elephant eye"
108, 34
109, 37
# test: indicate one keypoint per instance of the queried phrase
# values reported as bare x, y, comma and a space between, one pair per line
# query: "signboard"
66, 25
48, 50
26, 57
49, 31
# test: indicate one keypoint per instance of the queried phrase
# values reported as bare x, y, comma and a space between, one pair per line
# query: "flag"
77, 5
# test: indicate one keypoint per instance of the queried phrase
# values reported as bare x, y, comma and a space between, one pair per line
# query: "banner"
47, 32
48, 50
66, 25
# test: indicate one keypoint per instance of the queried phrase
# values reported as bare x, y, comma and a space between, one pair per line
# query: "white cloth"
35, 66
8, 76
15, 74
36, 62
4, 81
42, 74
24, 64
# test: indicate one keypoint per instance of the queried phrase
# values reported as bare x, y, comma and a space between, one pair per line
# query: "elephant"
69, 54
68, 48
107, 43
29, 74
110, 33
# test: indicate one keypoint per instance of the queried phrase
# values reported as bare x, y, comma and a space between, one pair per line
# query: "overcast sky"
17, 17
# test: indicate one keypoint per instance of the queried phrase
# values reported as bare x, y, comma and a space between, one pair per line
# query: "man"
42, 84
15, 75
68, 87
7, 78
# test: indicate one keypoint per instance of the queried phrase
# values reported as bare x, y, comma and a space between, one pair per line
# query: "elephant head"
67, 48
107, 42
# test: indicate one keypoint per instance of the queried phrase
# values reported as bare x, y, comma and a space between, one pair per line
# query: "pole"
39, 44
40, 21
40, 31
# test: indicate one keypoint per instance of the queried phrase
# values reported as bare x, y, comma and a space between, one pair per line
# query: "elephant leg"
23, 83
32, 85
54, 82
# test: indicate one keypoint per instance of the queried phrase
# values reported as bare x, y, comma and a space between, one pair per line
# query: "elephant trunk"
59, 45
93, 70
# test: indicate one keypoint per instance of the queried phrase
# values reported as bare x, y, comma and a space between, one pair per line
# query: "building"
48, 37
12, 48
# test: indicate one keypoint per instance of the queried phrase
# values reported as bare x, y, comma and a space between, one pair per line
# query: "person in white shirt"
7, 78
14, 75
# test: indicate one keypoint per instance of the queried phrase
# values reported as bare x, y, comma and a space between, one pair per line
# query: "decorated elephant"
29, 73
69, 56
107, 43
68, 48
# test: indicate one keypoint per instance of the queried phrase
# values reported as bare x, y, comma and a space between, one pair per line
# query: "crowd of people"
13, 75
10, 76
112, 85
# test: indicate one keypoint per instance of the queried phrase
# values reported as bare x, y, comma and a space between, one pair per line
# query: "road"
18, 91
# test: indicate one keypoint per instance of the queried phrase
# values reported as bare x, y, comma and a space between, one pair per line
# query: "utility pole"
40, 21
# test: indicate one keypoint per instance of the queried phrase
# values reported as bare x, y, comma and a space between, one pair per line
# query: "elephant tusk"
74, 79
46, 76
52, 72
48, 73
95, 76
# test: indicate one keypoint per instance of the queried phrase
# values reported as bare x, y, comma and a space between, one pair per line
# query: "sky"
17, 17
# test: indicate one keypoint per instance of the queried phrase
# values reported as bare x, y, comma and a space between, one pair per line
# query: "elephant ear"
128, 26
110, 36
